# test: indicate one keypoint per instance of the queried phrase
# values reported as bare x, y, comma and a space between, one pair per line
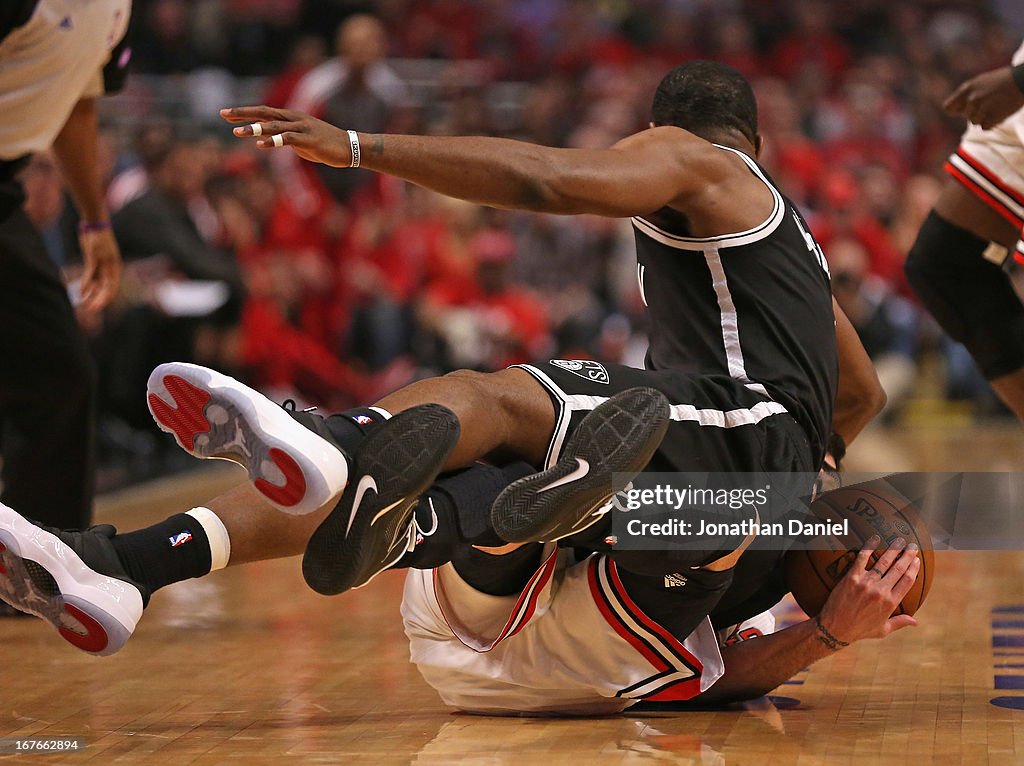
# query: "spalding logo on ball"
871, 508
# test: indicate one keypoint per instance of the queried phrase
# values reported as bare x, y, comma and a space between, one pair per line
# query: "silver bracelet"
353, 142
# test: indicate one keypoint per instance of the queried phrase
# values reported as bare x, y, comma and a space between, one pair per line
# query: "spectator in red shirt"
812, 45
307, 53
494, 323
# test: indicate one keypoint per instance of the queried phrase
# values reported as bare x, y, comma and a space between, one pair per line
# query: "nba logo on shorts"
363, 419
585, 368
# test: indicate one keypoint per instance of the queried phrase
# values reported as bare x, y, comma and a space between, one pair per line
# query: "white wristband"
353, 142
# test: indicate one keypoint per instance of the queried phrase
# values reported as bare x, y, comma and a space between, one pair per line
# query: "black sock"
350, 427
456, 511
473, 492
173, 550
501, 575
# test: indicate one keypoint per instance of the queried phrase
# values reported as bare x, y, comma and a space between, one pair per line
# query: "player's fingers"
888, 558
266, 128
99, 287
956, 101
255, 114
899, 622
277, 140
903, 585
87, 283
111, 281
900, 566
864, 556
987, 119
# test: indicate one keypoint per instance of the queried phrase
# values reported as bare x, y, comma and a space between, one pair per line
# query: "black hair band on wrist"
1018, 76
89, 227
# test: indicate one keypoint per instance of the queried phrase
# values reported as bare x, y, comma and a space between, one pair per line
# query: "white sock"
217, 534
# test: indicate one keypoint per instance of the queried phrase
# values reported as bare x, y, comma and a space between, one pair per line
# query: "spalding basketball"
871, 508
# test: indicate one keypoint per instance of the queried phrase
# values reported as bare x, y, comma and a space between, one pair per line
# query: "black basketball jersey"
755, 305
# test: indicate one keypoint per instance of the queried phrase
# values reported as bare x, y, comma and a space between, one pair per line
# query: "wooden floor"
249, 666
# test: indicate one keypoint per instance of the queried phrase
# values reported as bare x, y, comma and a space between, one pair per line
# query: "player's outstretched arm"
989, 98
638, 175
858, 608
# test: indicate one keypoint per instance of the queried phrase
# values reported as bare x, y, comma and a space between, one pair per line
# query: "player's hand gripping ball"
872, 509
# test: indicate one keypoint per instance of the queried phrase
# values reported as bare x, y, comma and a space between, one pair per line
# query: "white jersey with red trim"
572, 642
990, 163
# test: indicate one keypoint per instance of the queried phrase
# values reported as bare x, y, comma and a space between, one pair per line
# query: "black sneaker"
72, 580
372, 527
618, 438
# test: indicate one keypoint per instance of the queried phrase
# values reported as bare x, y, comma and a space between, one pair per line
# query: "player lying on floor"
523, 628
752, 368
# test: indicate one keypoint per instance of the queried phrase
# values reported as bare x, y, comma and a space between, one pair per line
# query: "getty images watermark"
671, 510
716, 511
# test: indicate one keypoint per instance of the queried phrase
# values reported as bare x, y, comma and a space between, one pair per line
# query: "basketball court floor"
249, 666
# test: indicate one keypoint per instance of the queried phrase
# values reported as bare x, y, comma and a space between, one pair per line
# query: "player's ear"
758, 145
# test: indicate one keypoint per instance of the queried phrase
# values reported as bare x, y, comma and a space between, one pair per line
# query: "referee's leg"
47, 386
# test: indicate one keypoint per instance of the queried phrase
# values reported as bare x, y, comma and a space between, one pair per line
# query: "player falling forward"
742, 376
956, 265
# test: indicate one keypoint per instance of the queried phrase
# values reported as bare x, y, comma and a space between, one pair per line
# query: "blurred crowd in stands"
333, 286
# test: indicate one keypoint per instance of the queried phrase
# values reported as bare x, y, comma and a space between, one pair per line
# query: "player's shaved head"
707, 99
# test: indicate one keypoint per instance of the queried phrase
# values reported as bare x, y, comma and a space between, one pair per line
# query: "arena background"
332, 287
335, 287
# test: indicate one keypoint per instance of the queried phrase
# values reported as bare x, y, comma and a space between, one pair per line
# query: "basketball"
871, 508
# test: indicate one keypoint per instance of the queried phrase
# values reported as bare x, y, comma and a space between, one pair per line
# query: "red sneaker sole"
186, 419
95, 638
294, 489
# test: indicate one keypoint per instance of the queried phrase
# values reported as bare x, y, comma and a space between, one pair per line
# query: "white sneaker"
214, 416
72, 580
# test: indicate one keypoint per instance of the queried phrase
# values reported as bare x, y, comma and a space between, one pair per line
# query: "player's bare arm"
989, 98
659, 167
860, 607
859, 396
75, 148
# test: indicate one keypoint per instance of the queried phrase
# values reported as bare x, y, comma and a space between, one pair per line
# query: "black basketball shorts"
718, 424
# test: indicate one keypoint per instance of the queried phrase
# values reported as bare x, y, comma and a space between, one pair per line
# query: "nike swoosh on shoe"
366, 483
578, 473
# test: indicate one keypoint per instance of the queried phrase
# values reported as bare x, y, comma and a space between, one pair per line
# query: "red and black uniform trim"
987, 186
677, 673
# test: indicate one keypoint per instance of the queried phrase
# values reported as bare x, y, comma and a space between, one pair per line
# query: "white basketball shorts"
572, 643
990, 163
